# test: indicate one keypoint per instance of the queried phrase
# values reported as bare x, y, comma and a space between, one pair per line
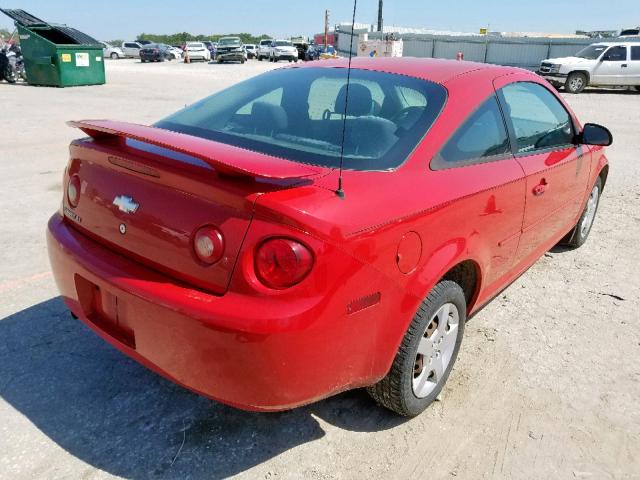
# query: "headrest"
360, 100
267, 116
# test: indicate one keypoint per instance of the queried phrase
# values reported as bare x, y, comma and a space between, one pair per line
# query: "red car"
216, 248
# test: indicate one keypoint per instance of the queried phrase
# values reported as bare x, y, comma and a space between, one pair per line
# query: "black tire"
143, 61
578, 236
259, 58
10, 75
396, 391
114, 56
576, 82
637, 88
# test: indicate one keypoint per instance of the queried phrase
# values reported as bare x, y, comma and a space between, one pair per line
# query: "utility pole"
380, 19
326, 30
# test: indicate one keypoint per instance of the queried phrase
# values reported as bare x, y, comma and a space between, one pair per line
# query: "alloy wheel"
435, 350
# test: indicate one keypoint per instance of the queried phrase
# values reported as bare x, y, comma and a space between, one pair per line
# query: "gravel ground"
546, 386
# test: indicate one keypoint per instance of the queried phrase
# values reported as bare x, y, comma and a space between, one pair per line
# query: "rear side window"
539, 120
615, 54
481, 138
635, 53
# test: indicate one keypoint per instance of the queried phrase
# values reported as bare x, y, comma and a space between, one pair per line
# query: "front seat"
360, 101
268, 119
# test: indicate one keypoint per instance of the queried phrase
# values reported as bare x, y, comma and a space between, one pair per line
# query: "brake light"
282, 263
208, 245
73, 191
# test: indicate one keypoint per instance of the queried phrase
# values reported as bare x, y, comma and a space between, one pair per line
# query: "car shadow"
119, 417
604, 91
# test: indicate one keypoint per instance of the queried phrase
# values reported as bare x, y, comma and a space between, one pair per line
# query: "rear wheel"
578, 236
10, 74
427, 353
637, 87
576, 82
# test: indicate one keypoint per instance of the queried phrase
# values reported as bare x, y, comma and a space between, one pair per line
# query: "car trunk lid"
146, 191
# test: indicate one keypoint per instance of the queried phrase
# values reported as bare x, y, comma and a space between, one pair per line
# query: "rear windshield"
282, 43
298, 114
229, 41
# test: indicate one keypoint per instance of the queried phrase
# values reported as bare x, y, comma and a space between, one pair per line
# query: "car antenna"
340, 191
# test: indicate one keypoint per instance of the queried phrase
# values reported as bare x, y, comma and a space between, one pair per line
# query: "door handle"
540, 188
624, 65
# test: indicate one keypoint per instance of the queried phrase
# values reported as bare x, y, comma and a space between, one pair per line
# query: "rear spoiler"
223, 158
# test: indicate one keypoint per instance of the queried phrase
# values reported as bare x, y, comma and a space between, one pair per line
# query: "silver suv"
264, 49
605, 64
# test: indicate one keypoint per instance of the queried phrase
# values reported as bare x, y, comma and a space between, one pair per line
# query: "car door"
557, 170
634, 66
612, 67
480, 148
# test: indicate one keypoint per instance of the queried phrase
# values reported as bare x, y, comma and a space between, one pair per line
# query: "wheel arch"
604, 174
467, 274
584, 72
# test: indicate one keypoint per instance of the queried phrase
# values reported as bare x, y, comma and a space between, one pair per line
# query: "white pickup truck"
605, 64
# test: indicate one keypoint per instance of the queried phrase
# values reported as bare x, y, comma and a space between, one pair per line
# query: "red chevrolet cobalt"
226, 249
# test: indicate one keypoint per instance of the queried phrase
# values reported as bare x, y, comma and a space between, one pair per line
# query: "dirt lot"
546, 386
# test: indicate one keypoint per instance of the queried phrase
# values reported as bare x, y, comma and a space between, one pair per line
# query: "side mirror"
594, 134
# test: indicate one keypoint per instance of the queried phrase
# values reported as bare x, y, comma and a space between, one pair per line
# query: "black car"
155, 52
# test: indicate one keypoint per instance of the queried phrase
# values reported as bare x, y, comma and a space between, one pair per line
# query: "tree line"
180, 38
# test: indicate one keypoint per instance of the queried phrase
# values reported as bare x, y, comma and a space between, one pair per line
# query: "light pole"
380, 19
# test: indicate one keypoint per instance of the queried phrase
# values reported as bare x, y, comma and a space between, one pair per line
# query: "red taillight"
73, 191
208, 245
282, 263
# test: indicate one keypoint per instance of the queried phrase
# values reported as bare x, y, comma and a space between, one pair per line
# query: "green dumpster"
57, 55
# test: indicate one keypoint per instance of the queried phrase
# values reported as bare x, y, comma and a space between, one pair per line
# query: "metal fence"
512, 51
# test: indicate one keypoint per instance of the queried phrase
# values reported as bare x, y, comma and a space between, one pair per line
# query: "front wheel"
578, 236
114, 56
576, 82
637, 87
427, 353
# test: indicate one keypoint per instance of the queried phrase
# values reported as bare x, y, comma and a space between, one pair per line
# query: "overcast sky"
126, 19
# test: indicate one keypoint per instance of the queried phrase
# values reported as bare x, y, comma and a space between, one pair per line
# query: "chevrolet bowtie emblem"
126, 204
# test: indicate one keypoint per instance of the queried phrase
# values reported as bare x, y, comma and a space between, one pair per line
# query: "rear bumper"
252, 353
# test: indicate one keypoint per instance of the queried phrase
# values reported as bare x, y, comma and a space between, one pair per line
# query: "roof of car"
433, 69
613, 44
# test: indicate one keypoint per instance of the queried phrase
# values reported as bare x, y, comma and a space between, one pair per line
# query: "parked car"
283, 50
242, 240
302, 46
176, 53
109, 51
197, 51
156, 52
144, 42
230, 49
264, 49
252, 50
630, 33
604, 64
211, 48
131, 49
